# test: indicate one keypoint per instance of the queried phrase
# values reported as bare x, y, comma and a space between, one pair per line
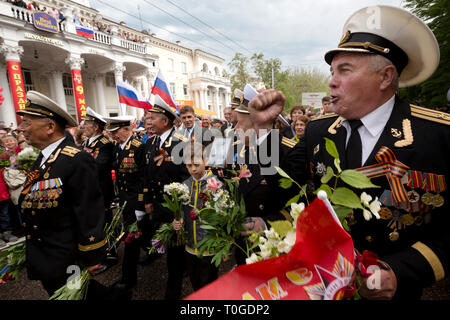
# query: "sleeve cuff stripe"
92, 246
432, 259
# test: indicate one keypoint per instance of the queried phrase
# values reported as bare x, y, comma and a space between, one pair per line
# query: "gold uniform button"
369, 239
261, 207
35, 227
39, 239
28, 237
33, 213
24, 224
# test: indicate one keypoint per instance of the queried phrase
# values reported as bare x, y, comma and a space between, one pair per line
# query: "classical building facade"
78, 67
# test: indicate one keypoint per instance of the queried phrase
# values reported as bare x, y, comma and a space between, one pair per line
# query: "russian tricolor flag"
83, 31
130, 96
160, 88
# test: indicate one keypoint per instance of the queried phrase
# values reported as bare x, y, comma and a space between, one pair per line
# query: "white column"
150, 76
99, 85
216, 96
204, 99
196, 94
12, 52
118, 69
57, 88
68, 22
7, 112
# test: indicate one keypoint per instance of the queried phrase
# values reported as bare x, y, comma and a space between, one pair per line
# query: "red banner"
17, 86
319, 266
80, 101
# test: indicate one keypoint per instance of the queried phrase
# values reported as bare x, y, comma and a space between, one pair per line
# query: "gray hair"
378, 62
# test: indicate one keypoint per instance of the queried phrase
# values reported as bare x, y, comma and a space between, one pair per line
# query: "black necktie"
353, 151
158, 141
38, 161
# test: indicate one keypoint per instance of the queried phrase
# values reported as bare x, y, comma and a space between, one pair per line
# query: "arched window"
216, 71
205, 68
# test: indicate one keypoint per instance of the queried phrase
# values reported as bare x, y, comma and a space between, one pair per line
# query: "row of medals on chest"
43, 194
417, 204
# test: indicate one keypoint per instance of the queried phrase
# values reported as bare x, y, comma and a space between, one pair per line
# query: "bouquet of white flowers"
166, 236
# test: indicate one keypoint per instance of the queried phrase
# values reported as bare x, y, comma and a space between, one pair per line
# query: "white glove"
139, 214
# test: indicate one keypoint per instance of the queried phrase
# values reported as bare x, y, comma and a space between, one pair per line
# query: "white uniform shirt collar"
48, 150
373, 125
92, 139
122, 146
164, 136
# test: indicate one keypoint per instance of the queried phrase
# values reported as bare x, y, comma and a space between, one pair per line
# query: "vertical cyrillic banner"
17, 86
80, 101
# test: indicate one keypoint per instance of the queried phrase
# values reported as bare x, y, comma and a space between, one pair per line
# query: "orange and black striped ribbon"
393, 169
32, 176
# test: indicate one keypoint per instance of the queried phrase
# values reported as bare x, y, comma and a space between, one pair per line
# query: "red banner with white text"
17, 86
78, 92
319, 266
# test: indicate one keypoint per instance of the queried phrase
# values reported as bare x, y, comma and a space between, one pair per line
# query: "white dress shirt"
164, 137
48, 150
92, 139
372, 127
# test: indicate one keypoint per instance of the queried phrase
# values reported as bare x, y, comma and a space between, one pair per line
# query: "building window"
110, 80
67, 84
171, 66
28, 82
183, 67
185, 89
172, 89
205, 68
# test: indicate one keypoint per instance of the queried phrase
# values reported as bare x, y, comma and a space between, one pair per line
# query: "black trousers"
176, 265
201, 271
133, 249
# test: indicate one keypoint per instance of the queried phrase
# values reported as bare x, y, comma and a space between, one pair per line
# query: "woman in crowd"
299, 126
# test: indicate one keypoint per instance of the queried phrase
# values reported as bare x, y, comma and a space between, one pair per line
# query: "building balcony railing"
68, 91
209, 77
26, 15
132, 46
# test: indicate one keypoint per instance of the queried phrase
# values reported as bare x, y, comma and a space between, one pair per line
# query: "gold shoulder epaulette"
104, 140
70, 151
136, 142
288, 142
430, 114
325, 116
180, 137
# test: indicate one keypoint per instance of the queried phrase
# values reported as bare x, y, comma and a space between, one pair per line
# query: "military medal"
46, 175
427, 198
407, 219
394, 235
418, 220
438, 200
413, 196
385, 213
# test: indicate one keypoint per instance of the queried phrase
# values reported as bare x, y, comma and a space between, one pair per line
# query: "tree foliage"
292, 82
433, 92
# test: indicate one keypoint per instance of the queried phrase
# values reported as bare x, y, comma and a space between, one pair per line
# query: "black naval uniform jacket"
163, 172
101, 150
63, 213
129, 166
262, 193
419, 253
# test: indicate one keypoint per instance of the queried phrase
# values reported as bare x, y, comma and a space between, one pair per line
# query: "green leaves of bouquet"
223, 217
343, 199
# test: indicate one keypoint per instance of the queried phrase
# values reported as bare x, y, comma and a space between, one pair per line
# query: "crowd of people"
71, 191
80, 21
